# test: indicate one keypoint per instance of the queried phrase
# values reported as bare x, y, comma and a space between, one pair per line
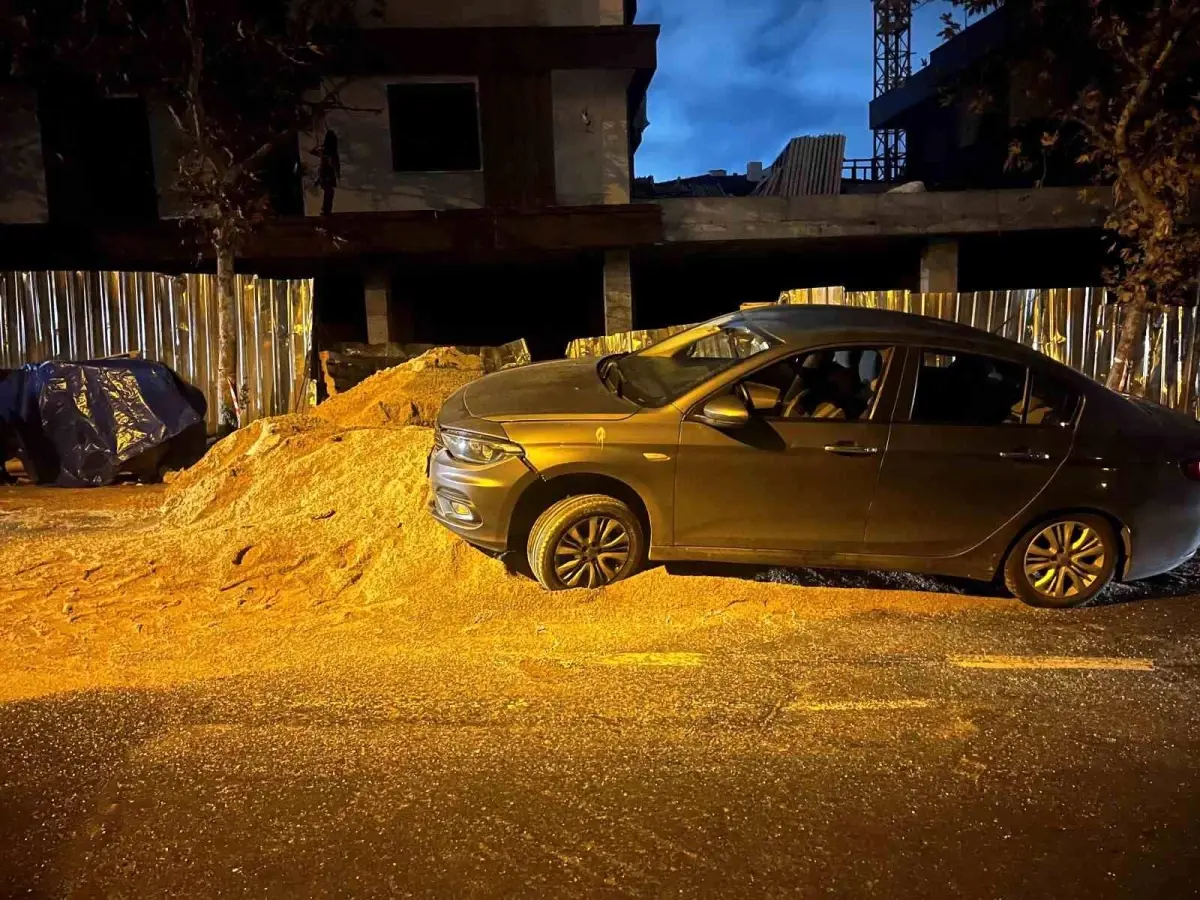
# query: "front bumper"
476, 502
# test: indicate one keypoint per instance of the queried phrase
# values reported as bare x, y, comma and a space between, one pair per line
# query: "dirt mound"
299, 505
408, 394
301, 541
333, 504
285, 466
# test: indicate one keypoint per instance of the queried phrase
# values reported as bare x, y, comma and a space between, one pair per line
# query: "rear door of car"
976, 438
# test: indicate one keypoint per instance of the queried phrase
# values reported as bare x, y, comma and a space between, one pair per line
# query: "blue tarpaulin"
79, 424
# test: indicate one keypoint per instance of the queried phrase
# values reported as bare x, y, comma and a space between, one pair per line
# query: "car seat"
827, 410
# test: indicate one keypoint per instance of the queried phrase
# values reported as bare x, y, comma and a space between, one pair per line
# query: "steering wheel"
791, 399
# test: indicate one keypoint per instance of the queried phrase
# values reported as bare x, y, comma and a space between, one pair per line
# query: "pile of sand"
301, 505
408, 394
333, 504
302, 540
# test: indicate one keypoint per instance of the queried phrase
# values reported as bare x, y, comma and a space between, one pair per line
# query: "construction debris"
346, 365
408, 394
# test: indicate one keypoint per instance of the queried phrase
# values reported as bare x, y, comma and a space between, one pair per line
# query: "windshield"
669, 369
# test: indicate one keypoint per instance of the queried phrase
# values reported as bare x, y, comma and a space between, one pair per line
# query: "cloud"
738, 78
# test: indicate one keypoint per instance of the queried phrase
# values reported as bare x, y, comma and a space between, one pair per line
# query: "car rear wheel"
1063, 562
586, 541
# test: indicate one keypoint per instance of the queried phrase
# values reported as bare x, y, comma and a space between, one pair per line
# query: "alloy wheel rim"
592, 552
1064, 560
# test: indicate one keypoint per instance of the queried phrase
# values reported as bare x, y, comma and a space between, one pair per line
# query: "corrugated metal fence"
170, 319
1075, 326
808, 166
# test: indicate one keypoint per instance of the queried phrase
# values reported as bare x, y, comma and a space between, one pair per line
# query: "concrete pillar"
939, 266
377, 295
618, 292
403, 319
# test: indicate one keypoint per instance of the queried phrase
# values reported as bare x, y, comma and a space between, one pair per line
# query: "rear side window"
968, 389
1051, 402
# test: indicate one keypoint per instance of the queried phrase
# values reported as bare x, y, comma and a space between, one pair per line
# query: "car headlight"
473, 448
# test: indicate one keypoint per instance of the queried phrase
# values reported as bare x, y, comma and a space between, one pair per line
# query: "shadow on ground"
1180, 582
836, 578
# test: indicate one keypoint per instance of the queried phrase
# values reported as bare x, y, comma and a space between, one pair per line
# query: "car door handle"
1024, 456
851, 450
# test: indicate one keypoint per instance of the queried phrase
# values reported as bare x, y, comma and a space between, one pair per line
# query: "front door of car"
983, 437
800, 474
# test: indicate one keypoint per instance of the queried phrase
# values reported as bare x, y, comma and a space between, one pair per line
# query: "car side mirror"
762, 397
726, 411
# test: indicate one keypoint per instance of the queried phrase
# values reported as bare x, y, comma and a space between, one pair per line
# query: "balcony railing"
868, 169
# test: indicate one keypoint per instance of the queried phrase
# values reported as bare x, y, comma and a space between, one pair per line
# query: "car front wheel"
586, 541
1063, 562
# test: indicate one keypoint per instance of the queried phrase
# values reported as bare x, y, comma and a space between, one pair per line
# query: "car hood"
569, 388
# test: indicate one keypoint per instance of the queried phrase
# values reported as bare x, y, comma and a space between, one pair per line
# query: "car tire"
601, 534
1065, 579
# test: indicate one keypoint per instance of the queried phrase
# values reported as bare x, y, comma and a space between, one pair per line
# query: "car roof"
803, 324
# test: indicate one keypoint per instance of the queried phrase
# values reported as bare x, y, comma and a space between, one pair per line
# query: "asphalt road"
989, 754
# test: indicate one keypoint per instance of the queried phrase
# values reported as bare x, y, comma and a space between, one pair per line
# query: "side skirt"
976, 566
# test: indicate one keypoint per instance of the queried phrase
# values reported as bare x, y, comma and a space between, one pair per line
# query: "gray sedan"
822, 436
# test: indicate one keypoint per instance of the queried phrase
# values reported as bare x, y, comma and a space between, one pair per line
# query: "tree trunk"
228, 411
1129, 344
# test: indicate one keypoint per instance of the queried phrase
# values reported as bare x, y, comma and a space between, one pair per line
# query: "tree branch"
1119, 35
1094, 132
1159, 17
195, 74
1129, 172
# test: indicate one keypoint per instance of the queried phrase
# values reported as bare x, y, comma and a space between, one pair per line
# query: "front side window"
669, 369
968, 389
821, 384
434, 127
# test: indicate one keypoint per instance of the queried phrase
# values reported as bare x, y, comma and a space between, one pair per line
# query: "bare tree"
240, 80
1134, 103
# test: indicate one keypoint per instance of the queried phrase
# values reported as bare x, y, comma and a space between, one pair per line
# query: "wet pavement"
995, 753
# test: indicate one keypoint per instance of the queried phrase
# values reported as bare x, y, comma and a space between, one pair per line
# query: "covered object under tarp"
81, 424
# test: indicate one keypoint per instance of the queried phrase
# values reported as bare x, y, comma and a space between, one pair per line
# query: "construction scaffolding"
893, 66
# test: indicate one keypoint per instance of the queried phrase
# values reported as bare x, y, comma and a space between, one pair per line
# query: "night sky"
738, 78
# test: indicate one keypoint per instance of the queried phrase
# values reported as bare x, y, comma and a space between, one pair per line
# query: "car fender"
652, 480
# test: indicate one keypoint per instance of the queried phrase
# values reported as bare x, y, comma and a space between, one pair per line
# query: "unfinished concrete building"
486, 188
484, 191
